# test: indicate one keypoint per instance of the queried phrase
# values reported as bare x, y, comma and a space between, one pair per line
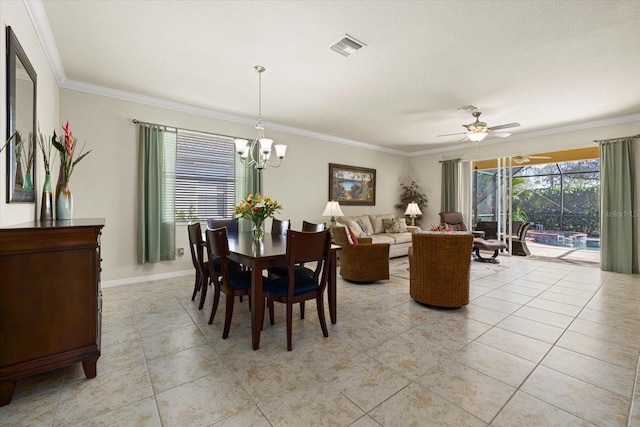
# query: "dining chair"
311, 227
233, 281
197, 257
280, 227
230, 223
301, 247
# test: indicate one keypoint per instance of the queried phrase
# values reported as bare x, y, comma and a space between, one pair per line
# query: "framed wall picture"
352, 185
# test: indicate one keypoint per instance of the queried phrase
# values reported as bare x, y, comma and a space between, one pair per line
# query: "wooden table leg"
257, 305
6, 391
331, 292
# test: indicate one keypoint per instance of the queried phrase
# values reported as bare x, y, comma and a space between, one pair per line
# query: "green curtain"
618, 227
156, 194
248, 181
449, 193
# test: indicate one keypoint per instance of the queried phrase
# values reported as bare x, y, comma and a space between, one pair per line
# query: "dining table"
270, 251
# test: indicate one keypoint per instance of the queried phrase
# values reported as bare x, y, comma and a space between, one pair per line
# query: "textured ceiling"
544, 64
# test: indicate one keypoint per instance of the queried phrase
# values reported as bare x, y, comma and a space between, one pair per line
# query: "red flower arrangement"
67, 148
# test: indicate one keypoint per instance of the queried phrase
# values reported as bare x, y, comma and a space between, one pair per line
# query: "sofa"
397, 233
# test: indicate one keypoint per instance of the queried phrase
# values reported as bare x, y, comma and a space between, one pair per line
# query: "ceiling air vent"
347, 46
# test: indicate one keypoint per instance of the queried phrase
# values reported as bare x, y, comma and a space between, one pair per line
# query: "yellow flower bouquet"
256, 209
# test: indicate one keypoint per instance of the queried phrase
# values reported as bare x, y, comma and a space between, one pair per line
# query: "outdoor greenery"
191, 217
556, 196
581, 209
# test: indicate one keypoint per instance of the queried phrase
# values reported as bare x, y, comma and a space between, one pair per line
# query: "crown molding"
205, 112
35, 9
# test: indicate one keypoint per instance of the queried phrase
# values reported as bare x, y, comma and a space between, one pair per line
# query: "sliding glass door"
559, 199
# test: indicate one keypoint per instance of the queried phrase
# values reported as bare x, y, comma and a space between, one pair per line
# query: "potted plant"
412, 193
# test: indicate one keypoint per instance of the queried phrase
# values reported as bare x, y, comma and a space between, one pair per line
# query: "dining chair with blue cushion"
232, 228
301, 247
230, 223
280, 227
201, 266
312, 227
225, 277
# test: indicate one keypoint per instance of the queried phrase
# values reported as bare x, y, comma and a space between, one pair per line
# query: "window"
205, 176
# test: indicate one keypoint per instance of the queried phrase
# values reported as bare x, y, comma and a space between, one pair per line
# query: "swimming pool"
569, 239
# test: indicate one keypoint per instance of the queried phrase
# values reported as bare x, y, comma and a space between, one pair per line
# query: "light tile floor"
541, 343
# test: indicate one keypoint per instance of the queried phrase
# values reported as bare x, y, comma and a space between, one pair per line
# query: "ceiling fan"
477, 131
526, 159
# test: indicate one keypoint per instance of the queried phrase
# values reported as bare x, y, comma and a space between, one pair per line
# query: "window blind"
205, 176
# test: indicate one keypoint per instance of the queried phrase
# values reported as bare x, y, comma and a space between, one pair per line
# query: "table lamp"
413, 210
333, 210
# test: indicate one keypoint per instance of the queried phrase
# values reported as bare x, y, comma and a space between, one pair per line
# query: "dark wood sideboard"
50, 298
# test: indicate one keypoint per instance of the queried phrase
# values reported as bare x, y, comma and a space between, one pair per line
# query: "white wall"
104, 183
14, 14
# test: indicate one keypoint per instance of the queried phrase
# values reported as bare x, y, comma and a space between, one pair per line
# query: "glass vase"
28, 182
46, 205
61, 182
258, 231
19, 178
64, 203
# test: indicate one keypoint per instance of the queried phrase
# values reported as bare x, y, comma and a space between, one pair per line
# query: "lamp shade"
413, 209
476, 136
332, 209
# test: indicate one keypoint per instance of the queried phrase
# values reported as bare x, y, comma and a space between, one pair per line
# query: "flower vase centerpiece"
67, 150
257, 209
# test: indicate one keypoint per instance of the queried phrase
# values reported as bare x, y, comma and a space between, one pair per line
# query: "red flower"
68, 139
256, 208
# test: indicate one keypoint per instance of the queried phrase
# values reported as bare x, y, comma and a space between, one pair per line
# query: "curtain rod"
451, 160
136, 121
597, 141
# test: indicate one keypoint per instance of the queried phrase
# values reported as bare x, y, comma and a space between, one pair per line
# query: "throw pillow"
346, 231
376, 222
403, 225
352, 237
357, 230
365, 225
391, 225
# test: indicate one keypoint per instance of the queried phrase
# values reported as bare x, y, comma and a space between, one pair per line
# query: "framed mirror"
21, 117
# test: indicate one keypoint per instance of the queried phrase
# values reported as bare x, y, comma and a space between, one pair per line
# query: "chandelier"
258, 152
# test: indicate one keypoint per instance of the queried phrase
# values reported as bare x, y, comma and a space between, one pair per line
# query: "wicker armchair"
364, 262
439, 267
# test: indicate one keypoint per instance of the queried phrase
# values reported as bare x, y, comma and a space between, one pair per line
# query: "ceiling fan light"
476, 136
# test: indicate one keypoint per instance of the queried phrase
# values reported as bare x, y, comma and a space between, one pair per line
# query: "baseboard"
142, 279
